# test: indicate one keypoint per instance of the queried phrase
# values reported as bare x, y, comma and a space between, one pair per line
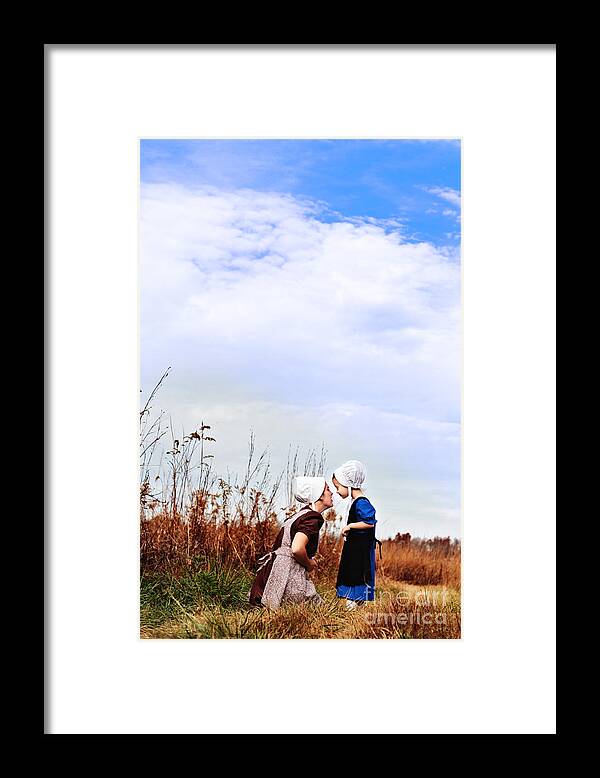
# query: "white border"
500, 677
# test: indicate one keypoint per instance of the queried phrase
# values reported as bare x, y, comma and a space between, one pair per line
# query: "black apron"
355, 562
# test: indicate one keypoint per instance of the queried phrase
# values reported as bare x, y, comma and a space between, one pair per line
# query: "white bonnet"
307, 489
352, 473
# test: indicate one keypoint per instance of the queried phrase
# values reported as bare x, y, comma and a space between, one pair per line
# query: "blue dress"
356, 576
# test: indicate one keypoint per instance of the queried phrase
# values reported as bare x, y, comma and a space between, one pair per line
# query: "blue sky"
309, 290
386, 179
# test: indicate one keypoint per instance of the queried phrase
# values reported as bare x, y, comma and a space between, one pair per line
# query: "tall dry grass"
173, 543
422, 561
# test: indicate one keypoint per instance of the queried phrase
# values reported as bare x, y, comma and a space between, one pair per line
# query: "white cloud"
307, 331
446, 193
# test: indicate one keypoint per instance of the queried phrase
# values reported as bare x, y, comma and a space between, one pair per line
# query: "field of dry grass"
197, 570
201, 537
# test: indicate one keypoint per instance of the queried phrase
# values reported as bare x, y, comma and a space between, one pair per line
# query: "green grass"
164, 596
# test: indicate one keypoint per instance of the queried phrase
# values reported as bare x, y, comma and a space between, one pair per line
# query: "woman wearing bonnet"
284, 572
356, 574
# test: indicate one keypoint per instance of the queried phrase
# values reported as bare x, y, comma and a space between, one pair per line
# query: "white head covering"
351, 474
307, 489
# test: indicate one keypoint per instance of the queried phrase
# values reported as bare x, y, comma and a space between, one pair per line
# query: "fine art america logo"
402, 619
420, 608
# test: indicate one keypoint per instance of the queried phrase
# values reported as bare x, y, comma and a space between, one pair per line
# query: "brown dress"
307, 521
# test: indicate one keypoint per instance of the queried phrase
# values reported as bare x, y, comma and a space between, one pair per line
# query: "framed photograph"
300, 388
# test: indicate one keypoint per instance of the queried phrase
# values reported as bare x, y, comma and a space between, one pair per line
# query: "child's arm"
356, 525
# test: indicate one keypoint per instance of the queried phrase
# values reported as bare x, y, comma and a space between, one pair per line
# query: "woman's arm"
299, 551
